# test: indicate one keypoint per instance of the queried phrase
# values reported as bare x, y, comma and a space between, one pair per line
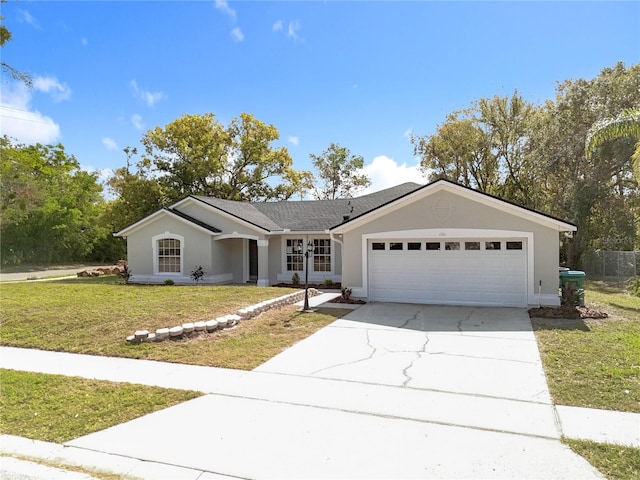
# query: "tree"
197, 155
486, 147
50, 206
339, 172
626, 124
5, 36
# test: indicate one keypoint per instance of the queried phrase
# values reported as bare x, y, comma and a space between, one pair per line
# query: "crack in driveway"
374, 350
419, 353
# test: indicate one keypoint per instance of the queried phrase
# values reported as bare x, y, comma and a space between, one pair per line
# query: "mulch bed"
567, 311
352, 301
318, 286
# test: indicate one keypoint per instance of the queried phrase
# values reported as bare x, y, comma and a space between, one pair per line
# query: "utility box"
572, 285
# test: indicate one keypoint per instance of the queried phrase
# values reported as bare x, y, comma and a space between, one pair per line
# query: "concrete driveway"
390, 391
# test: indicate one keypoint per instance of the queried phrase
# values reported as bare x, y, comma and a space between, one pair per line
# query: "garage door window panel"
432, 246
452, 245
378, 246
472, 245
514, 245
492, 245
396, 245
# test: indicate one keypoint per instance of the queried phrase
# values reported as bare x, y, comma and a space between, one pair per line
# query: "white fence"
612, 266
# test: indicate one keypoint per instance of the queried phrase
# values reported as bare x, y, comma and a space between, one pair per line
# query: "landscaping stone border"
210, 326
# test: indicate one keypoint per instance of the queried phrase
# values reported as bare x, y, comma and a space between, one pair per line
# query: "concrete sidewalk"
358, 399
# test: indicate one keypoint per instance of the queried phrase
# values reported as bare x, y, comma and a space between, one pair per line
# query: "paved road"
42, 273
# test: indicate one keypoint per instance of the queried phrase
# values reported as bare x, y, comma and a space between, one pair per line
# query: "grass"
55, 408
595, 363
95, 315
614, 461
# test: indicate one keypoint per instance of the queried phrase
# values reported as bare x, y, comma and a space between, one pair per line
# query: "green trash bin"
572, 280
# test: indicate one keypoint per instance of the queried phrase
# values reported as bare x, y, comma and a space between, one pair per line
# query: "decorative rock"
222, 322
162, 334
188, 327
131, 339
199, 326
141, 335
211, 325
176, 332
150, 338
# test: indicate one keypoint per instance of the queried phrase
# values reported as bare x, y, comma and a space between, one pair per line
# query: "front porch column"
263, 263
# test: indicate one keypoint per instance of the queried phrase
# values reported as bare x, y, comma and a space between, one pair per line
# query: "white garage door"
453, 272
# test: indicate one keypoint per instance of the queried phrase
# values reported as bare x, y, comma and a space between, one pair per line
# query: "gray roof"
307, 215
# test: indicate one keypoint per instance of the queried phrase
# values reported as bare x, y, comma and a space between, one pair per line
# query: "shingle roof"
193, 220
307, 215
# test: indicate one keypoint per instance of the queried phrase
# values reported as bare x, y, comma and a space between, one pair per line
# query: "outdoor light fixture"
307, 253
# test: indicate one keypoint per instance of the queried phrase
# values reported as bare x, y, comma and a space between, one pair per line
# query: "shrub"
197, 274
295, 280
346, 293
168, 281
328, 282
634, 287
125, 274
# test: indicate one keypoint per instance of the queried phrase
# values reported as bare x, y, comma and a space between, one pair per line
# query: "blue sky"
361, 74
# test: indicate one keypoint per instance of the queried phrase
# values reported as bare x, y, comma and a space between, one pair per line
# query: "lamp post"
307, 253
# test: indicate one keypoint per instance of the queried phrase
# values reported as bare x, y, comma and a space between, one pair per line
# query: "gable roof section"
172, 212
443, 184
244, 211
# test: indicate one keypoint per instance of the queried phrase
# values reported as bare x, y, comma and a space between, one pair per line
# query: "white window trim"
154, 245
313, 275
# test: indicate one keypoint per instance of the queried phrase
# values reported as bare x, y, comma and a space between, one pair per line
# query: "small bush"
197, 274
295, 280
634, 287
328, 282
168, 281
125, 274
346, 293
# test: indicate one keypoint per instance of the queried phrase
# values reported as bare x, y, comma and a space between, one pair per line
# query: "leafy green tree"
5, 36
486, 147
597, 192
195, 154
339, 173
626, 124
49, 205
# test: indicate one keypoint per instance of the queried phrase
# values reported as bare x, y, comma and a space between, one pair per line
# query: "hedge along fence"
209, 326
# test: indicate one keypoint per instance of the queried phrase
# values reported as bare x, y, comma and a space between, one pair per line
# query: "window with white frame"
321, 255
295, 254
169, 255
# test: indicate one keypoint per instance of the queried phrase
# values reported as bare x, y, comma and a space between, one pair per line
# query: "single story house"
439, 243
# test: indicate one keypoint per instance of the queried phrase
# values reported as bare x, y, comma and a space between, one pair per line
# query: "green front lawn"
595, 363
614, 461
55, 408
95, 315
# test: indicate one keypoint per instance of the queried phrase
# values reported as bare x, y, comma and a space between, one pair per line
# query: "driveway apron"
389, 391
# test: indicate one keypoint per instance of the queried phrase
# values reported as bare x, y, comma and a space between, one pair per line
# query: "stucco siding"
445, 211
195, 246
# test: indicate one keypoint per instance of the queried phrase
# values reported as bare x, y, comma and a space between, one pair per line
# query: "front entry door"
253, 261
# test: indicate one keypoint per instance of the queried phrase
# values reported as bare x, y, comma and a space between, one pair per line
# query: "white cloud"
237, 34
149, 98
59, 91
277, 26
384, 172
26, 17
224, 7
110, 143
294, 28
136, 121
20, 121
294, 140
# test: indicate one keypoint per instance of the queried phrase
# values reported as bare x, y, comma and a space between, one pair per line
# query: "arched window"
168, 253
